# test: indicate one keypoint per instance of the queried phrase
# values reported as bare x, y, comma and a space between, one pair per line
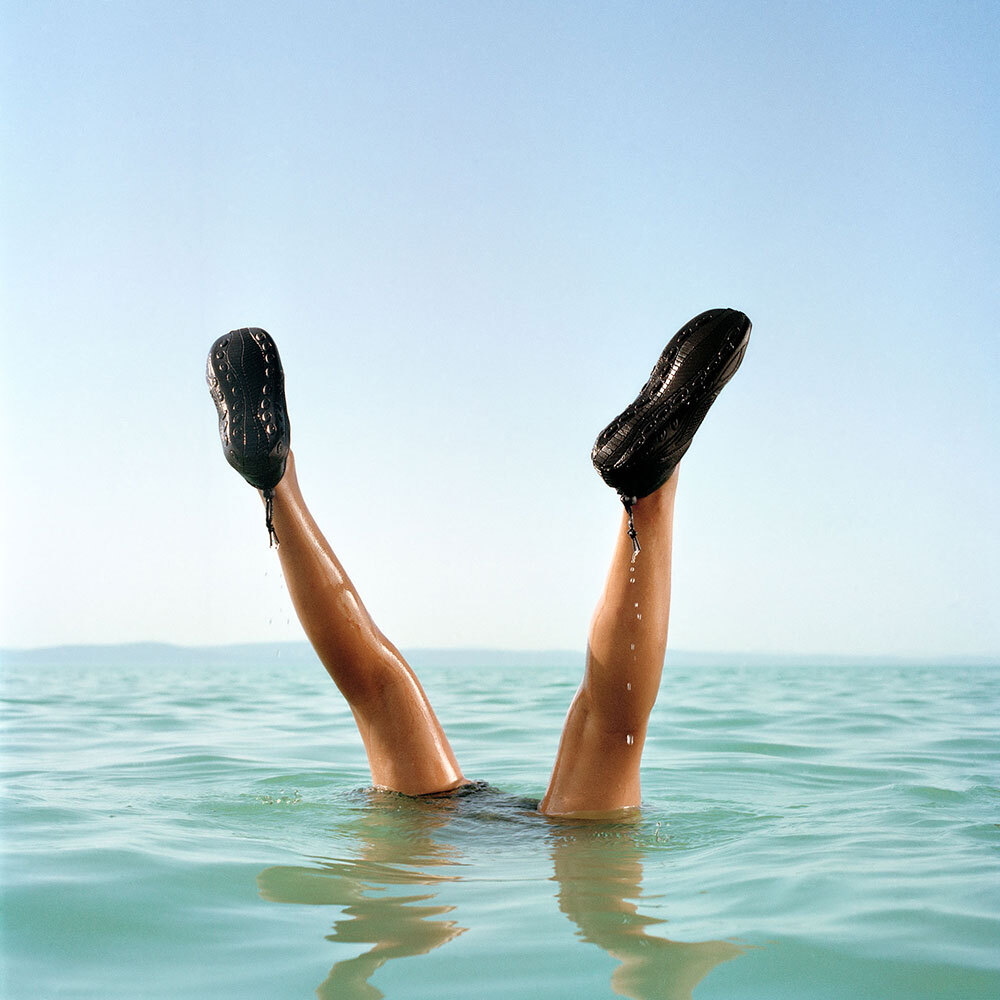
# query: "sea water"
197, 826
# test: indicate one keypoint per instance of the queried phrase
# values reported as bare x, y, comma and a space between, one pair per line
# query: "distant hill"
259, 655
255, 655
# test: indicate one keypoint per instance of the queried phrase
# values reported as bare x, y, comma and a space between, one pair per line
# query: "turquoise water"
193, 826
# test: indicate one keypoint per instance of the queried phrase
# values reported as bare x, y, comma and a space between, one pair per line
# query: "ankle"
659, 500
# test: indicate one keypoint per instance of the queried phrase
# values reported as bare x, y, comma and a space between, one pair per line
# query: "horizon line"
303, 645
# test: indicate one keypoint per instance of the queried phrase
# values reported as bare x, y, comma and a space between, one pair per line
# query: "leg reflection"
398, 849
598, 878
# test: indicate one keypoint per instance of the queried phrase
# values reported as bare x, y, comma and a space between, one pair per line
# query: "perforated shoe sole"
639, 450
247, 384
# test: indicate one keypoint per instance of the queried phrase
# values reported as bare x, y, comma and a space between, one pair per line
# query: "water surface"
199, 826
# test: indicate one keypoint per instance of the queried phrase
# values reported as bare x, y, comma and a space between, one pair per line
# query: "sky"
471, 228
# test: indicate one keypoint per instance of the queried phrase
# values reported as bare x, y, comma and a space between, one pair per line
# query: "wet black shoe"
639, 450
248, 386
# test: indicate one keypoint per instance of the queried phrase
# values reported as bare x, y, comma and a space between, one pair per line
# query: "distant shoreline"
264, 653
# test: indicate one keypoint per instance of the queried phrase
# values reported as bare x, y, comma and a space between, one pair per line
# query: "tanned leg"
407, 749
597, 766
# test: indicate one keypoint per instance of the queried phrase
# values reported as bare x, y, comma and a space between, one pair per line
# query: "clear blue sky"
471, 227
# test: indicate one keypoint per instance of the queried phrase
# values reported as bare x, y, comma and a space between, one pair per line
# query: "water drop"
638, 618
630, 739
637, 604
631, 645
628, 685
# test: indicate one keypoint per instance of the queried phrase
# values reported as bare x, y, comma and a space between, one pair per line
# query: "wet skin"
597, 765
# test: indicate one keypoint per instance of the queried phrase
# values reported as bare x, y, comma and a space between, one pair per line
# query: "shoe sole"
638, 451
247, 384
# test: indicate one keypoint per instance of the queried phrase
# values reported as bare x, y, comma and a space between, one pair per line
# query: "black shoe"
248, 386
639, 450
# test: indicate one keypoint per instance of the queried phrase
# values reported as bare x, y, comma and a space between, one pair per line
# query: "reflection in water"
393, 924
598, 869
396, 848
598, 877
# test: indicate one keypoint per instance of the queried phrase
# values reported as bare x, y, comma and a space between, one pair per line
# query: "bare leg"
407, 749
597, 766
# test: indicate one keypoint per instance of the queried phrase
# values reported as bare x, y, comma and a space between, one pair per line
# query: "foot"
247, 385
639, 450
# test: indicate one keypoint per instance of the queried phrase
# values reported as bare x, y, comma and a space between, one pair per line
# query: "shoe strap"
272, 535
628, 501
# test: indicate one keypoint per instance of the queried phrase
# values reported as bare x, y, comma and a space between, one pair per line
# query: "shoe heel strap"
272, 535
628, 501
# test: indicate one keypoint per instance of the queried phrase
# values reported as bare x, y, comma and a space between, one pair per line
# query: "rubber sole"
247, 384
639, 450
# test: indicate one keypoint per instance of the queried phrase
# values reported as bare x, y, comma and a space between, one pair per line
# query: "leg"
597, 766
407, 749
